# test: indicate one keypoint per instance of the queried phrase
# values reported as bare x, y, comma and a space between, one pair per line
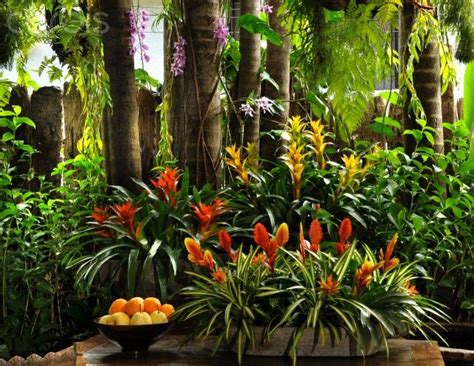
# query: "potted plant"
316, 292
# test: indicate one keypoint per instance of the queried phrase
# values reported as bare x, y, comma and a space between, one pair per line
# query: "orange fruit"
134, 305
151, 304
168, 309
118, 306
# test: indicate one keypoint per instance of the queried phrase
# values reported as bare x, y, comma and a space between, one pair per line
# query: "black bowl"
133, 338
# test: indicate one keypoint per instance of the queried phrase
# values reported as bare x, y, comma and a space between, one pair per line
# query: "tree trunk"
149, 126
74, 120
278, 67
408, 119
248, 78
427, 83
449, 114
121, 122
201, 92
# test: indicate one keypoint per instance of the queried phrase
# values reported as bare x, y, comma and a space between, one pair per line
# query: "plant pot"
279, 345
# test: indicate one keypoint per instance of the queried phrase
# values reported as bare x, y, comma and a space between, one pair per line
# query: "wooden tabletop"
97, 351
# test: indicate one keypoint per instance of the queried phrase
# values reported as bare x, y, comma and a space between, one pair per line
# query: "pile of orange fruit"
138, 311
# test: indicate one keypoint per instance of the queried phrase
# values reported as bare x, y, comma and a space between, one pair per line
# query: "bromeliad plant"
308, 174
140, 238
341, 289
138, 235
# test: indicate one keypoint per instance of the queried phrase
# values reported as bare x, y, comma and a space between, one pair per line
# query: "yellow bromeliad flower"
294, 160
252, 156
318, 145
371, 158
351, 169
236, 163
294, 130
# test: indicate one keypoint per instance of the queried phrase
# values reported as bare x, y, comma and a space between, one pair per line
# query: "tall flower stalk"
138, 22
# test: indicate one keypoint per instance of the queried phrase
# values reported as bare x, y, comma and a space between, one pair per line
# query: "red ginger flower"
226, 243
271, 246
207, 213
328, 286
197, 255
389, 262
167, 183
363, 275
345, 231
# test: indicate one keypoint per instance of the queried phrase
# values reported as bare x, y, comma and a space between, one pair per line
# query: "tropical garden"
285, 187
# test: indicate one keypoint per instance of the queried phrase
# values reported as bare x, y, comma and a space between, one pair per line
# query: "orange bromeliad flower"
411, 289
303, 243
315, 238
328, 286
345, 231
225, 241
219, 275
363, 275
315, 235
197, 255
259, 258
389, 262
167, 183
207, 213
271, 246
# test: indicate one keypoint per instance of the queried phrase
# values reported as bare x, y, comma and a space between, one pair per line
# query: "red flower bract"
125, 213
270, 246
389, 262
315, 235
345, 231
226, 243
219, 275
197, 256
101, 215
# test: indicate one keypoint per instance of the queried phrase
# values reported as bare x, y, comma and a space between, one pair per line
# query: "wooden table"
99, 352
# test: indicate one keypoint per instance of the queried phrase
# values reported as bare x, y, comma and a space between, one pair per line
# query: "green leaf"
132, 271
392, 97
388, 121
253, 24
382, 130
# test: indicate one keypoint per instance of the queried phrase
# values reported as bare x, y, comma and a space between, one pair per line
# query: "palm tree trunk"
278, 67
121, 123
427, 83
248, 79
201, 92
